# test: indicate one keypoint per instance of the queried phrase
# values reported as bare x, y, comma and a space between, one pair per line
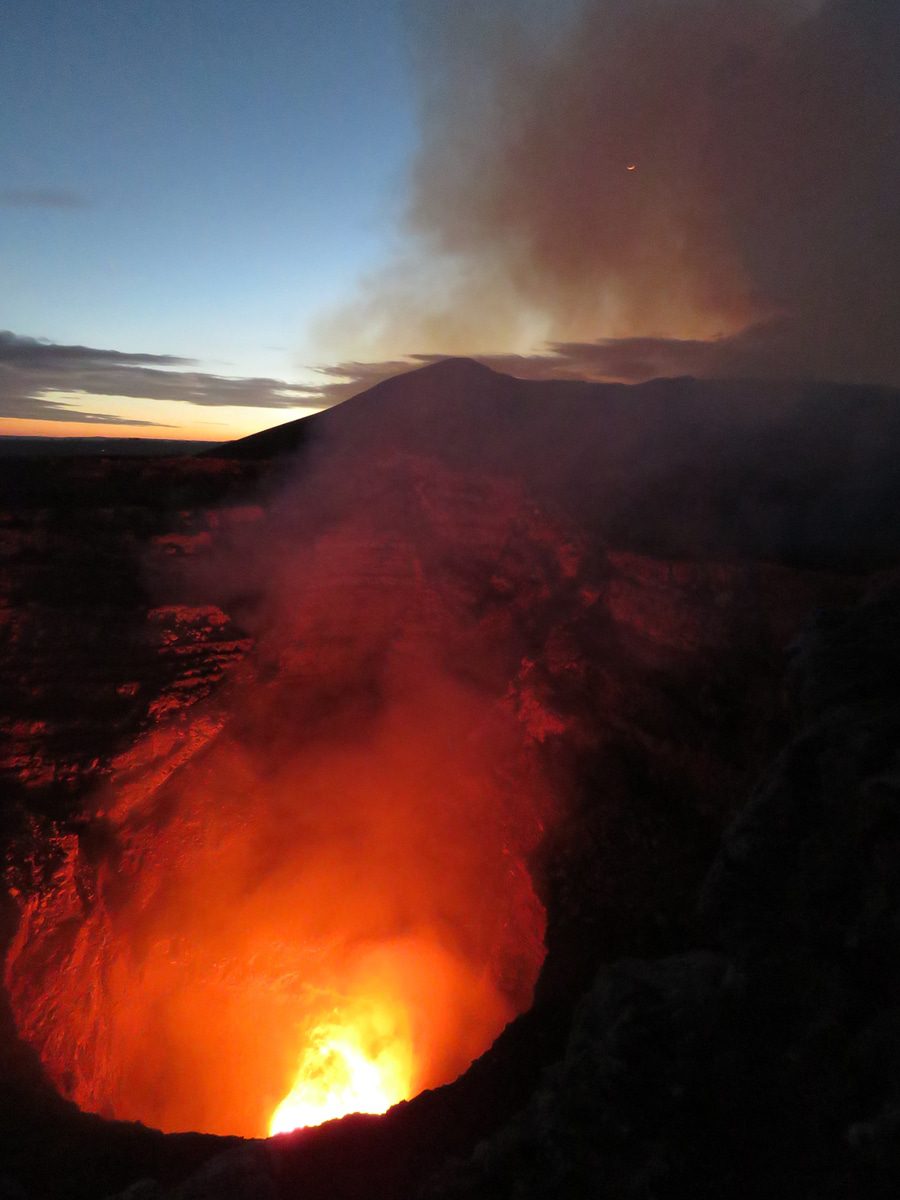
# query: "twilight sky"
201, 202
195, 180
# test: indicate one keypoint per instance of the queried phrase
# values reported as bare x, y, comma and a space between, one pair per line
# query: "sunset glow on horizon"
209, 425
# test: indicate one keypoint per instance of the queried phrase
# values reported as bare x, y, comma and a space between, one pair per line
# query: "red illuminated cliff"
336, 760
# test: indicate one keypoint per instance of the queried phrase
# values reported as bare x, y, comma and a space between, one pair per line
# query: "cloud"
775, 349
762, 215
46, 409
41, 198
33, 371
345, 379
36, 354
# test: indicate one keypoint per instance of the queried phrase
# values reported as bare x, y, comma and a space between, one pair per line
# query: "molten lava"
360, 930
345, 1069
314, 899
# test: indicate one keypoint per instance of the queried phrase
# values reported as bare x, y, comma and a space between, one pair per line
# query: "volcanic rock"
640, 562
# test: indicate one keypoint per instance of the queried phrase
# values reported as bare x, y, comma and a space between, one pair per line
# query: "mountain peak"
458, 366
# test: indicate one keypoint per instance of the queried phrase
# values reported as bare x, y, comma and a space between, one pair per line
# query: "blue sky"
197, 179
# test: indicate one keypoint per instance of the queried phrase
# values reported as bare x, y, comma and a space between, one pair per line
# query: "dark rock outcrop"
769, 1064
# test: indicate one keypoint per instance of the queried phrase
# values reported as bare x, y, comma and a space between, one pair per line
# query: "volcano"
514, 759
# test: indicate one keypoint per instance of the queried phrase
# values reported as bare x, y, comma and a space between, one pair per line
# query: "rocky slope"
753, 1040
762, 1062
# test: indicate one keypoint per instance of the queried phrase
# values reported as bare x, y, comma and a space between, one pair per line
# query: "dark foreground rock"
768, 1065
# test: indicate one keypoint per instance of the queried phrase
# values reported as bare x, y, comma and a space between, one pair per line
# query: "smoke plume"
340, 855
715, 172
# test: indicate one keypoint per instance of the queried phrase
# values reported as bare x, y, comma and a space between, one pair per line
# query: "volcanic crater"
421, 754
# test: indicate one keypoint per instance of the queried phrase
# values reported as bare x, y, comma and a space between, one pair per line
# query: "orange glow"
174, 421
289, 940
332, 933
25, 427
362, 1067
314, 898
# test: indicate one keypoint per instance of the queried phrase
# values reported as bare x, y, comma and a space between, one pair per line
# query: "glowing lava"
345, 1070
313, 896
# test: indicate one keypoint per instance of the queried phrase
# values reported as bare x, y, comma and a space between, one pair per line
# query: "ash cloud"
758, 232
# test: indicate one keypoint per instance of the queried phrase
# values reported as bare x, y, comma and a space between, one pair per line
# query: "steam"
761, 219
347, 858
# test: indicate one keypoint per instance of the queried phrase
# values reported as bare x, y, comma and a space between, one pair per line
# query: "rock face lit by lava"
327, 907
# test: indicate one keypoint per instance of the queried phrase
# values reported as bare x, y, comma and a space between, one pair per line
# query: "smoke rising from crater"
717, 171
339, 845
